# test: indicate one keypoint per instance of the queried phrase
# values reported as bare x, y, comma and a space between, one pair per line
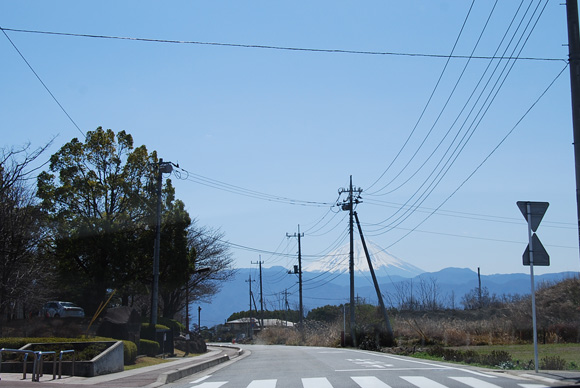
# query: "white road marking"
200, 380
369, 382
423, 382
316, 382
263, 384
216, 384
475, 383
533, 386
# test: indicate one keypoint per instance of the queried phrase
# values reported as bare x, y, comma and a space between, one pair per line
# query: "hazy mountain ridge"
321, 289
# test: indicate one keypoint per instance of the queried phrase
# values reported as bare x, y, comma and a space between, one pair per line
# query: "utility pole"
299, 235
479, 294
162, 167
250, 329
574, 62
348, 204
260, 262
286, 307
199, 319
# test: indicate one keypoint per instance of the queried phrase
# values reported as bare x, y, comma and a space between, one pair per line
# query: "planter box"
108, 361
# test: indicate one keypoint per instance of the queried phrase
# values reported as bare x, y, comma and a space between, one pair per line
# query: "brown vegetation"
498, 323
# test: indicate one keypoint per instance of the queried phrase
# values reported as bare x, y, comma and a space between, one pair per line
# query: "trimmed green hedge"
129, 352
149, 348
174, 325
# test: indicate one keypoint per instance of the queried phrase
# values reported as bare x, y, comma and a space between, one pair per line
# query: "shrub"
172, 324
148, 332
129, 352
497, 358
149, 348
553, 363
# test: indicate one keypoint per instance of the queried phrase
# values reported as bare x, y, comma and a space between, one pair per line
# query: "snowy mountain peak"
338, 260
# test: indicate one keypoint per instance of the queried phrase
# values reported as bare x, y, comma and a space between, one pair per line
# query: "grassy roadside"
551, 356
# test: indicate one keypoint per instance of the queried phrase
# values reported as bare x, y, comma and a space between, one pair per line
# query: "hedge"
149, 348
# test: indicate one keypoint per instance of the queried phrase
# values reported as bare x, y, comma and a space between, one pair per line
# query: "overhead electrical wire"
478, 238
449, 97
268, 47
427, 103
42, 82
472, 216
449, 161
213, 183
482, 162
461, 111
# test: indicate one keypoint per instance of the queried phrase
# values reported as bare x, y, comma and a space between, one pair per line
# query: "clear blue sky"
297, 123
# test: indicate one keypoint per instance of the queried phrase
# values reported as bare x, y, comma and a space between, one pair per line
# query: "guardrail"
38, 362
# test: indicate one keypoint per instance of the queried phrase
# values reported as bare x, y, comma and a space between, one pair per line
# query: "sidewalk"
150, 377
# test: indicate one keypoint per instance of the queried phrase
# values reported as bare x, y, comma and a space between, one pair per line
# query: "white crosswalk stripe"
366, 382
263, 384
422, 382
474, 382
533, 386
316, 382
216, 384
369, 382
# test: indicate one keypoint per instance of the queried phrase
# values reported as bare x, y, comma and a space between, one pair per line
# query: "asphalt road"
308, 367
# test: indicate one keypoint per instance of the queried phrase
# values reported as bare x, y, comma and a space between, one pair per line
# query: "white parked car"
56, 309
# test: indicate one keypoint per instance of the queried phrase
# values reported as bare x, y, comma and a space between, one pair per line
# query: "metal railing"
38, 362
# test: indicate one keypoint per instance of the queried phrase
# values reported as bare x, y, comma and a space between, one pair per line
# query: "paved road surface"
291, 367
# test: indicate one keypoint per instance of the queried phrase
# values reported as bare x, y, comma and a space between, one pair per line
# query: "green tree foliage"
99, 196
326, 313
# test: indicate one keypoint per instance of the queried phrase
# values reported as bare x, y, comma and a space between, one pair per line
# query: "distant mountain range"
325, 287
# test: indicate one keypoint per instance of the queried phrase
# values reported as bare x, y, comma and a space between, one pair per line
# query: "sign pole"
533, 286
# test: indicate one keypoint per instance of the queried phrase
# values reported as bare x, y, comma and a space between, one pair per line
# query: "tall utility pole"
574, 62
299, 274
162, 167
348, 204
250, 329
260, 262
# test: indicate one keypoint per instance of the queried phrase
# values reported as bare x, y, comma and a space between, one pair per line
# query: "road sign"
541, 256
537, 210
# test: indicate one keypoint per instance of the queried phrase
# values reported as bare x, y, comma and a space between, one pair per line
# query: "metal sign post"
533, 213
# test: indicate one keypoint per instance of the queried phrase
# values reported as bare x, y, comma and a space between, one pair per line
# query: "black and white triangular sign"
537, 210
541, 256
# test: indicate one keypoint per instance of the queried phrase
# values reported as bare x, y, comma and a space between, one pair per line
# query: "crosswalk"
371, 382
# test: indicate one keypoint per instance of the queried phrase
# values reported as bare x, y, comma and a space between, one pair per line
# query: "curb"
169, 377
175, 375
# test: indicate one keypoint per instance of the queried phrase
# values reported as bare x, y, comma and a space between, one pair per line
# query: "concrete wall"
109, 361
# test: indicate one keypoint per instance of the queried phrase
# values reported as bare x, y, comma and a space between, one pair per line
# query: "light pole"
202, 270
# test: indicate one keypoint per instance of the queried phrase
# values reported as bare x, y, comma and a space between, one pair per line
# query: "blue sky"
295, 124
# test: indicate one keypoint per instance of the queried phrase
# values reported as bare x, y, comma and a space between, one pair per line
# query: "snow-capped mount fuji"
338, 260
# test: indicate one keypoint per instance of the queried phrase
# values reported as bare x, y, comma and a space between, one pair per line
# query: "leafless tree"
212, 267
22, 233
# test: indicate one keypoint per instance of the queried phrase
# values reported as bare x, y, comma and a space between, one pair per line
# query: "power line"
446, 162
483, 162
268, 47
41, 81
213, 183
471, 216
